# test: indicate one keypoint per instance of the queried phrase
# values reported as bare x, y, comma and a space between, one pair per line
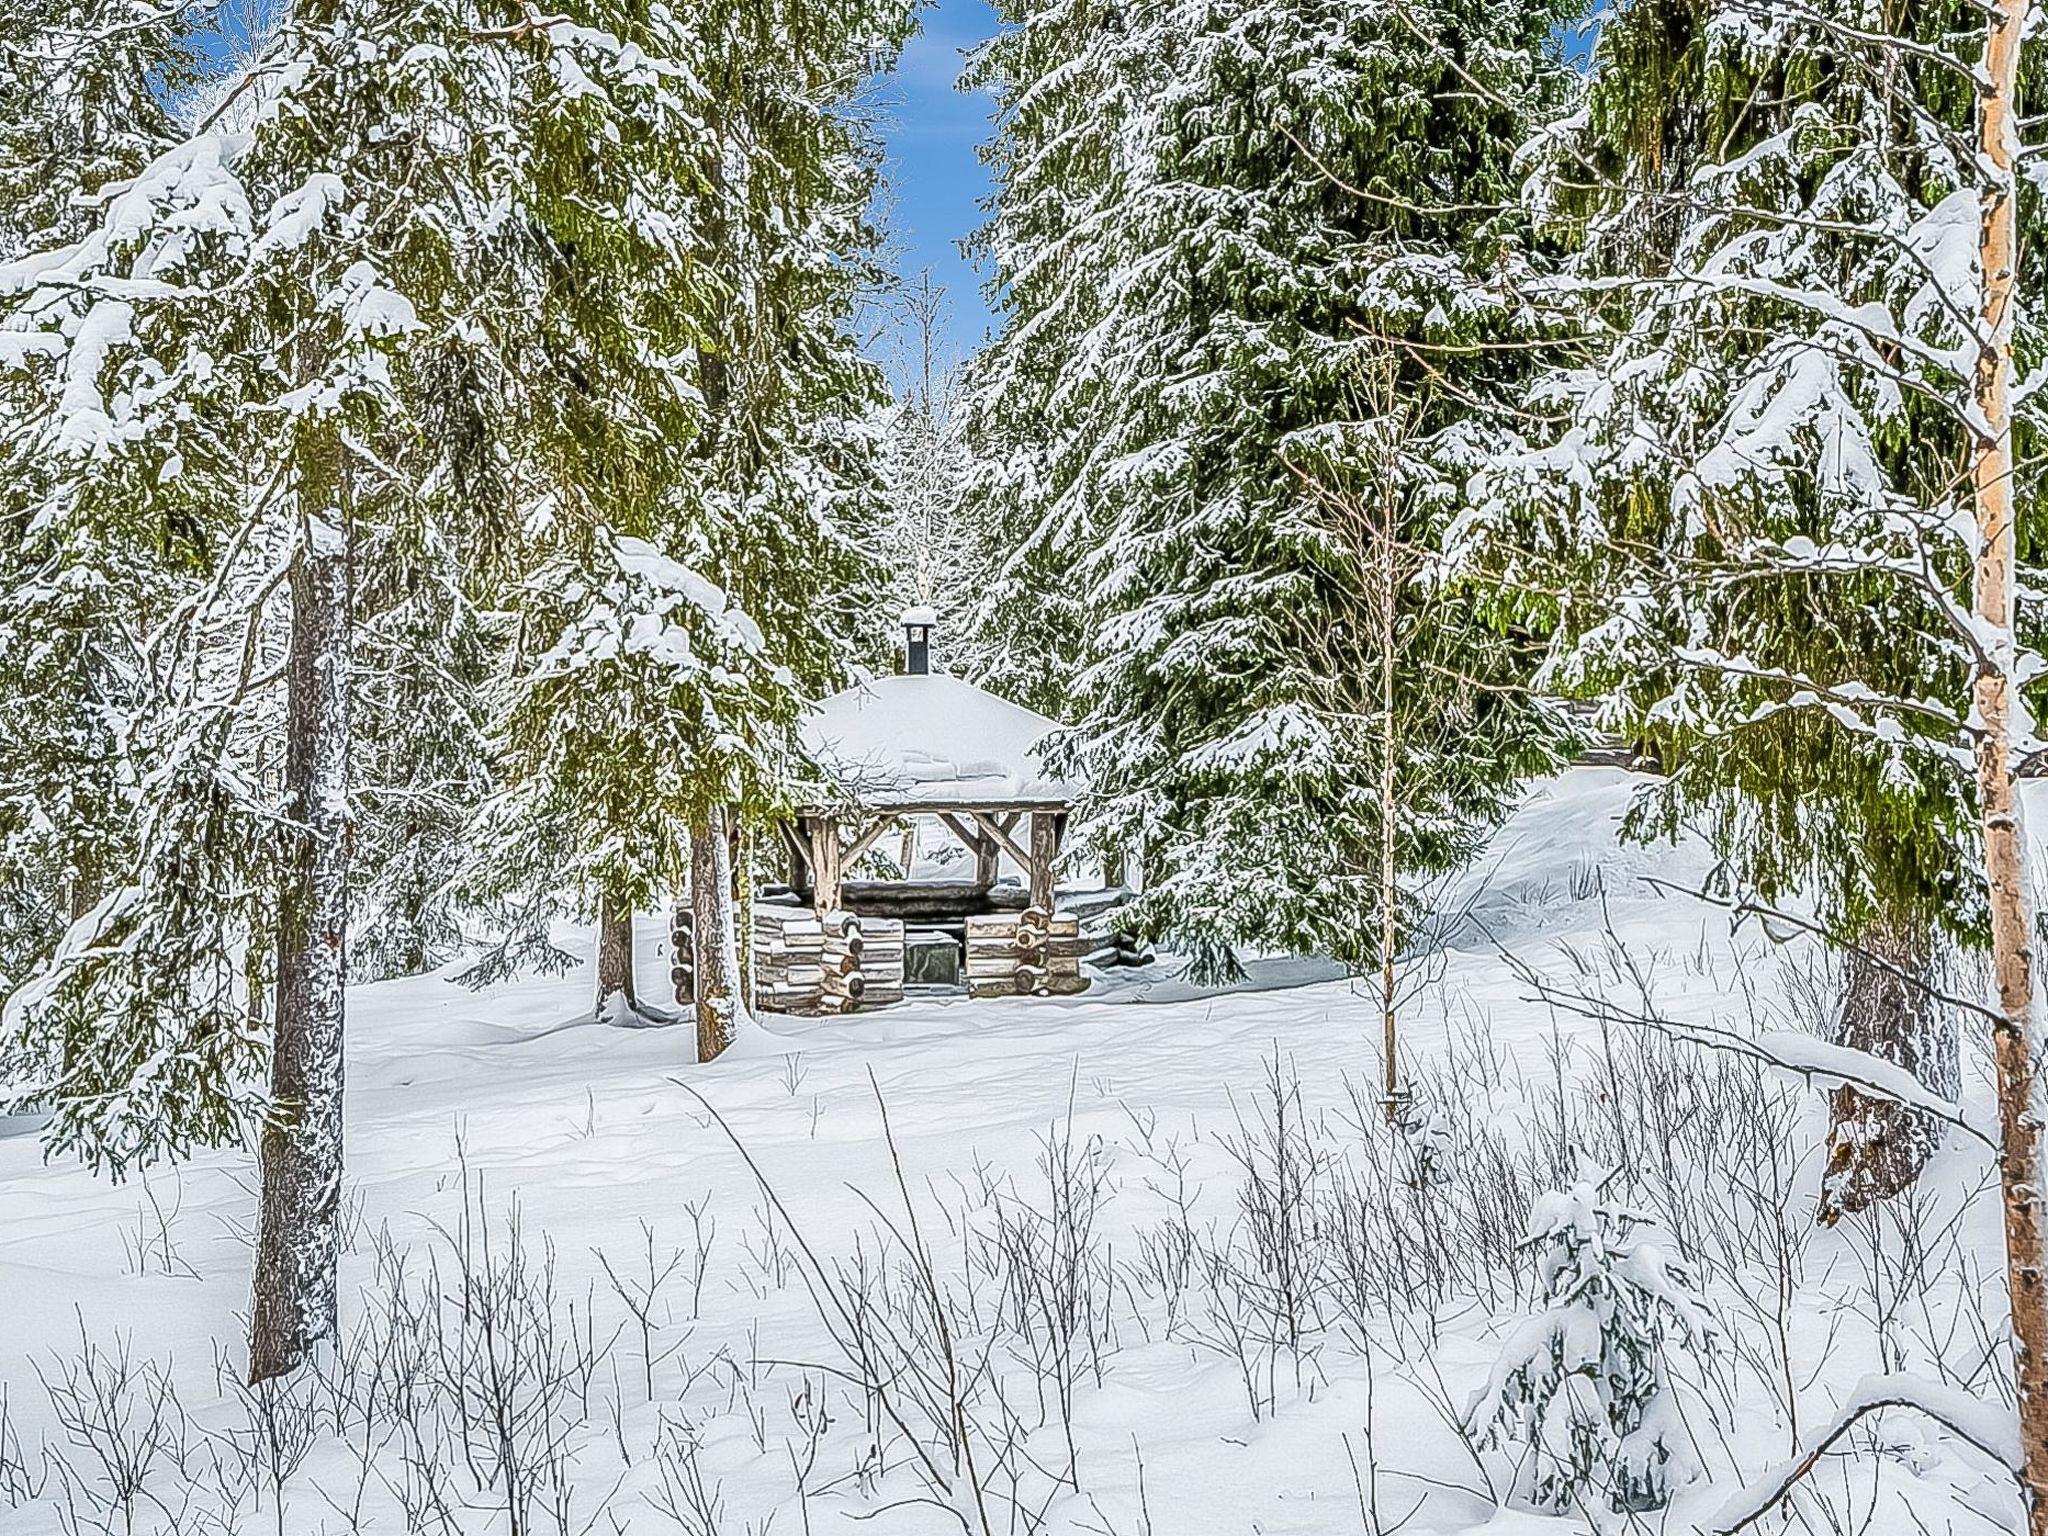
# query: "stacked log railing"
806, 963
789, 959
682, 955
840, 962
1033, 953
842, 983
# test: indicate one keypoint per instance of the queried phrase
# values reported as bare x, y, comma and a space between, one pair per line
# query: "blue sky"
936, 180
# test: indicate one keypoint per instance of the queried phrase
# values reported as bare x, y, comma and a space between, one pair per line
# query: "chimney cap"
920, 618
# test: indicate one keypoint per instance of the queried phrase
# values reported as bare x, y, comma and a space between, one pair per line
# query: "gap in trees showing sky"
936, 179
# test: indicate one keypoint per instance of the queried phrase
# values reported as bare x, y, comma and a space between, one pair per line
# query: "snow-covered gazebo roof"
929, 742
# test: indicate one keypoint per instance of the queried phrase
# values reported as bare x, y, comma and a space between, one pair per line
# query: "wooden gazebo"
924, 744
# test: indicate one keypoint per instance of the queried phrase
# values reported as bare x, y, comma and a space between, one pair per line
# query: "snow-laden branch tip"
1990, 1430
1783, 1050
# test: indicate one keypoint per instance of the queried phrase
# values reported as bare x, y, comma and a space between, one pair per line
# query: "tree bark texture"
1388, 597
1877, 1147
717, 950
298, 1241
1045, 848
615, 951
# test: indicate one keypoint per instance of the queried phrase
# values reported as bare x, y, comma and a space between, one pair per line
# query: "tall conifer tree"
1301, 194
1752, 487
411, 240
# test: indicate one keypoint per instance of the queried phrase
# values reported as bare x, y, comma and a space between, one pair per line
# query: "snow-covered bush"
1586, 1382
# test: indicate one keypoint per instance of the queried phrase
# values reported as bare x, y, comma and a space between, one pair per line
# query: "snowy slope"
594, 1131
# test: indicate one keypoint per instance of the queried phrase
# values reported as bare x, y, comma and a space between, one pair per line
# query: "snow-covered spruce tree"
1196, 307
424, 659
84, 89
1796, 473
653, 701
1072, 81
1754, 486
758, 465
792, 466
88, 92
927, 542
1586, 1383
274, 327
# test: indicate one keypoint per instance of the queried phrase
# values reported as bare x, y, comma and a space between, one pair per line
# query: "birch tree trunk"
1390, 885
615, 952
295, 1304
2015, 1035
1877, 1146
717, 952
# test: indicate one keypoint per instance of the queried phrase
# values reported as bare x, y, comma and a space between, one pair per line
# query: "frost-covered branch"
1788, 1051
1989, 1430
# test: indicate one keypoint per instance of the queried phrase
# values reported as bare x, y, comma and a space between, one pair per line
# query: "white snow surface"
934, 740
593, 1131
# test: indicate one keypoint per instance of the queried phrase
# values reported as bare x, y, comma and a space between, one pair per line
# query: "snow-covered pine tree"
927, 542
1586, 1382
1298, 193
793, 460
88, 94
119, 754
424, 659
85, 87
1752, 486
1072, 81
762, 468
653, 700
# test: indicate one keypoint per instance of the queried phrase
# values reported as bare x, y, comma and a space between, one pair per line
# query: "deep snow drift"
1230, 1307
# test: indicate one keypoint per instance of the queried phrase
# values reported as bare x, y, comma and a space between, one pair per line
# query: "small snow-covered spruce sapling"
1586, 1382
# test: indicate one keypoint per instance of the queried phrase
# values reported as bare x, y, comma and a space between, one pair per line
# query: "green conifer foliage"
1751, 494
1305, 198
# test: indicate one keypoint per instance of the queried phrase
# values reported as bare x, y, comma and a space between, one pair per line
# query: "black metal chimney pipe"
917, 641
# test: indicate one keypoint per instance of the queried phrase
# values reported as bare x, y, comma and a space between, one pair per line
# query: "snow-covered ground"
1227, 1375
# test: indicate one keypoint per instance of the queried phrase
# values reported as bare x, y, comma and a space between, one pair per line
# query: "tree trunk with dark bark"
1877, 1147
295, 1301
615, 952
717, 952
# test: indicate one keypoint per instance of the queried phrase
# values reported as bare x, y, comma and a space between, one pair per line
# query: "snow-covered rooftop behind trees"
933, 741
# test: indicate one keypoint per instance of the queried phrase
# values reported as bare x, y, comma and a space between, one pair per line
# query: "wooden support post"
1045, 847
825, 891
799, 853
